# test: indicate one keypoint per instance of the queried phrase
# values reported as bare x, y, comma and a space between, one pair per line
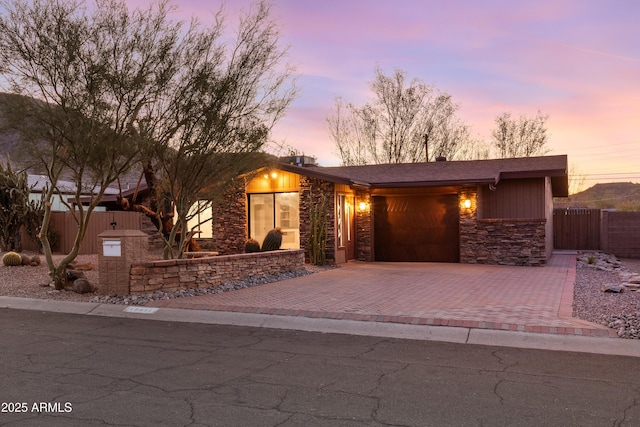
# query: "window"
201, 220
270, 210
344, 217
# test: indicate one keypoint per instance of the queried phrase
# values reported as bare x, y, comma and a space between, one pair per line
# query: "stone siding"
468, 227
505, 241
364, 222
174, 275
511, 242
156, 242
230, 220
311, 190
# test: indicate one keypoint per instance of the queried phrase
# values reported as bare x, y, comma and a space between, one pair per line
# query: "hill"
624, 196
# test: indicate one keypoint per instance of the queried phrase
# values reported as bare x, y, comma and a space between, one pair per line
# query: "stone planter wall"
174, 275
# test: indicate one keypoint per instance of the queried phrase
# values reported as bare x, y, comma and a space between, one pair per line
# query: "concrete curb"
461, 335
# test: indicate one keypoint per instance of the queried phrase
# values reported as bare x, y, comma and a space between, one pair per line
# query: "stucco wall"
173, 275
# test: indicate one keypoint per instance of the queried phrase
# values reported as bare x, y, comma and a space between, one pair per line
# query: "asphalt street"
77, 370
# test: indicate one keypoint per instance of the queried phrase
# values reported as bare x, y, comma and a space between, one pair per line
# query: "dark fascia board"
431, 183
558, 177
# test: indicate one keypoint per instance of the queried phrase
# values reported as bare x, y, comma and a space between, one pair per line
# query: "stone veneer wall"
230, 220
177, 274
364, 236
468, 227
156, 243
312, 189
511, 242
500, 241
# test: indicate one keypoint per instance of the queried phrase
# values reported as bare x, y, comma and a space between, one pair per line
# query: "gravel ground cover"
620, 311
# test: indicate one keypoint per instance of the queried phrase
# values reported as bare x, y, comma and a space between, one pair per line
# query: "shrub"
11, 259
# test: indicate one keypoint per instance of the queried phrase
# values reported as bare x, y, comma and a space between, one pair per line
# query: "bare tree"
212, 119
84, 77
522, 137
403, 119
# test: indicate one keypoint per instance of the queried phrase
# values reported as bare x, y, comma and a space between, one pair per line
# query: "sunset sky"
577, 61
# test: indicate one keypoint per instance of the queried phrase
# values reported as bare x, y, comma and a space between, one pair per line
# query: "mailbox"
111, 248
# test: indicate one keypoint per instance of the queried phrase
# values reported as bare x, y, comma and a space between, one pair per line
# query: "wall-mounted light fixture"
274, 174
363, 206
467, 203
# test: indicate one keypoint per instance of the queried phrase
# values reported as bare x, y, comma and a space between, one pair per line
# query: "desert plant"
35, 261
26, 259
318, 233
251, 245
273, 240
16, 209
591, 259
11, 259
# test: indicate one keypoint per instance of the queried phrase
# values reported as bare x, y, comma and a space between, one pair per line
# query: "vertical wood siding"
513, 199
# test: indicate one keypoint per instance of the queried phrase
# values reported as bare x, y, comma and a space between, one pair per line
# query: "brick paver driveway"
534, 299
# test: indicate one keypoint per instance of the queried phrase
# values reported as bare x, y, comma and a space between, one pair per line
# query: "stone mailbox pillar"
118, 250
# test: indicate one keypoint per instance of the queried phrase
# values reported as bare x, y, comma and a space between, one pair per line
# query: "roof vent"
441, 159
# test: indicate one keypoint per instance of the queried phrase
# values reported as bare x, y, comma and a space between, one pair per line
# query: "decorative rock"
72, 275
82, 286
610, 287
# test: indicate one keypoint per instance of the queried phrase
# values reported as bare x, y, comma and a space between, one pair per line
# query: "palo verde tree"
212, 120
521, 137
83, 76
404, 119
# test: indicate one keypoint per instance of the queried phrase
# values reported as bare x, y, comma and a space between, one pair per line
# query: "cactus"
273, 240
26, 260
35, 261
251, 245
318, 232
11, 259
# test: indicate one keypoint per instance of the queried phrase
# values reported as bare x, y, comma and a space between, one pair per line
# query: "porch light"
363, 206
467, 204
274, 174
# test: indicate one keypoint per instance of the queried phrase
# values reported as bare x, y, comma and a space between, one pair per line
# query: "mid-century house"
483, 211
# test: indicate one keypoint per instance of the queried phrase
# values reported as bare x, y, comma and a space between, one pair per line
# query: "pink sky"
577, 61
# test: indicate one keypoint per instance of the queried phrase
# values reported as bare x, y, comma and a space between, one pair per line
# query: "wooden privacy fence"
577, 229
613, 232
66, 228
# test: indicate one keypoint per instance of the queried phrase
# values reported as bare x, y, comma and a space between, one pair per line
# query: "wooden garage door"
416, 228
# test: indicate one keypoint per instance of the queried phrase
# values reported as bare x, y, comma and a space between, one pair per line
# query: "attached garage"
416, 228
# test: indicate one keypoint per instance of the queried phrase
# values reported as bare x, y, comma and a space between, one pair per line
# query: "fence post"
604, 230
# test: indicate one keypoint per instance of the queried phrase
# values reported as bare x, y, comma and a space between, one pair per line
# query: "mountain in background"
623, 196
